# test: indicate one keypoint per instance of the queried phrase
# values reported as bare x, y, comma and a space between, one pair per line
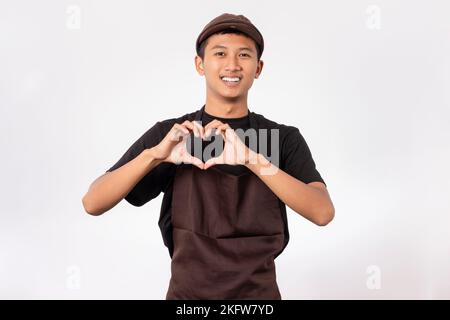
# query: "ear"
199, 65
259, 68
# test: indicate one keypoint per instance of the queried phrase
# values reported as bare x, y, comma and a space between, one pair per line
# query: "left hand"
235, 152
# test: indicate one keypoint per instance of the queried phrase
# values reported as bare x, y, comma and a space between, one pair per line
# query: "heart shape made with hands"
216, 143
205, 148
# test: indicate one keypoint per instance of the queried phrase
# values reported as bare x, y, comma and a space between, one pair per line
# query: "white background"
366, 82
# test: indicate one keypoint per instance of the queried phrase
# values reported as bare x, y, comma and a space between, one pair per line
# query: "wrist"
150, 157
252, 159
259, 164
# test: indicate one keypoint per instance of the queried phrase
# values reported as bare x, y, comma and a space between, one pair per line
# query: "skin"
224, 56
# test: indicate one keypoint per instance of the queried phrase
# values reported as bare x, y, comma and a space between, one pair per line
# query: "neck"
226, 109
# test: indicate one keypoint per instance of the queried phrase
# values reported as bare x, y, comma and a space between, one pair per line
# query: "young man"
223, 216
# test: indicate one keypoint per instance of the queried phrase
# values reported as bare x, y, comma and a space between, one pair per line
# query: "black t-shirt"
294, 158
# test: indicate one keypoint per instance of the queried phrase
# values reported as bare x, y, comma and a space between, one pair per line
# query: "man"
223, 216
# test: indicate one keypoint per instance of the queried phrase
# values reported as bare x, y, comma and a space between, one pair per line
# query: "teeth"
230, 79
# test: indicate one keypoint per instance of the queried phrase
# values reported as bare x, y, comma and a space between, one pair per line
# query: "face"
230, 65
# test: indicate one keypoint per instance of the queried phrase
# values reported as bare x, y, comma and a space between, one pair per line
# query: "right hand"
173, 147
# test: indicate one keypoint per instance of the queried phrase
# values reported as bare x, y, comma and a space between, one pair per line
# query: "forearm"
109, 189
310, 202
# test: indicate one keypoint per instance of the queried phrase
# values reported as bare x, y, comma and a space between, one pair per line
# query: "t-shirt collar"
251, 117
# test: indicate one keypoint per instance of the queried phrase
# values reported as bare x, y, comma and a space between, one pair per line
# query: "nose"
232, 64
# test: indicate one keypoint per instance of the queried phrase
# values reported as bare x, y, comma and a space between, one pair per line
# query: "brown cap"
231, 21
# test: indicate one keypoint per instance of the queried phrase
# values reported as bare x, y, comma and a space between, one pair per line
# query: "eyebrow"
223, 47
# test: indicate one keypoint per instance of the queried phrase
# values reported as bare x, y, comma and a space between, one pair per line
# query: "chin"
226, 94
232, 96
235, 94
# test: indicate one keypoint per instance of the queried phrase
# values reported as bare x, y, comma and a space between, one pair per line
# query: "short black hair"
202, 46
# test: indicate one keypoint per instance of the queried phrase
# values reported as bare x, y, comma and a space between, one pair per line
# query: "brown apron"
227, 231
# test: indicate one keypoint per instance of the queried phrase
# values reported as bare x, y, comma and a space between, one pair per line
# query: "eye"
246, 55
220, 53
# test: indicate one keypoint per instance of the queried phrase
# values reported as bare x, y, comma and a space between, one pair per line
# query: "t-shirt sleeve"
297, 158
151, 185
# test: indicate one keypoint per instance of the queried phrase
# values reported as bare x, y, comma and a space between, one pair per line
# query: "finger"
219, 132
195, 161
188, 124
208, 164
192, 127
196, 131
180, 127
178, 133
202, 130
212, 130
199, 128
213, 161
207, 133
222, 129
213, 124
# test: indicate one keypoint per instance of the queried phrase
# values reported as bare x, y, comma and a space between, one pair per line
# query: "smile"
231, 81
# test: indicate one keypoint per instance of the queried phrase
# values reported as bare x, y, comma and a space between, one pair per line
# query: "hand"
173, 147
235, 152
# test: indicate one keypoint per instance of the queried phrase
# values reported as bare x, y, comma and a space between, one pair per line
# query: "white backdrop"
366, 82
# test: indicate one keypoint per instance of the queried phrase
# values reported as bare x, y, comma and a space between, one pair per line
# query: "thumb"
195, 161
213, 161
